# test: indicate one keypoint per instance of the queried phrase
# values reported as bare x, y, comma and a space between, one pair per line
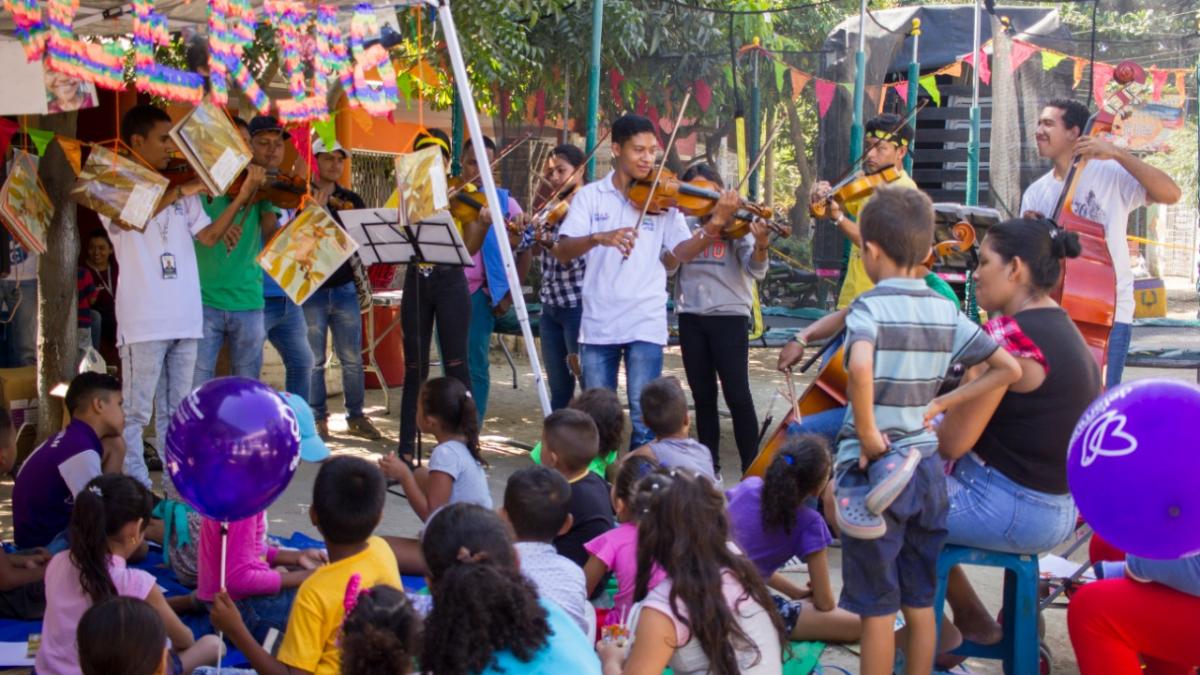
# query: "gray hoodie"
720, 280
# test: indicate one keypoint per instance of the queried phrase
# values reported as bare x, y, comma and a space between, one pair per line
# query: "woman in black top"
1008, 490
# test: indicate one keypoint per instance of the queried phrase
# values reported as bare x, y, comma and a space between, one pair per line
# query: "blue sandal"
850, 491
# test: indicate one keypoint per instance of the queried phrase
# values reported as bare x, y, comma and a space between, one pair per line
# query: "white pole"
977, 58
471, 115
224, 551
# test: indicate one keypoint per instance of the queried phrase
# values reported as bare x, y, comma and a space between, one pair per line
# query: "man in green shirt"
231, 282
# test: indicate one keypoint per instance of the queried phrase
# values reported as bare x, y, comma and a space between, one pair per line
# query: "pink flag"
615, 78
901, 89
1021, 51
539, 106
7, 129
1160, 81
703, 95
301, 136
1102, 74
825, 90
985, 71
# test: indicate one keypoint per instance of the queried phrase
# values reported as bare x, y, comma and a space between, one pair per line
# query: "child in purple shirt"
57, 470
771, 524
616, 550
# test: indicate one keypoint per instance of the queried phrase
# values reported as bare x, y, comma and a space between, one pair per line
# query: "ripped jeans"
438, 299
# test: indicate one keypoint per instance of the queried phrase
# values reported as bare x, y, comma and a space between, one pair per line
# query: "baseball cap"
312, 448
262, 123
318, 147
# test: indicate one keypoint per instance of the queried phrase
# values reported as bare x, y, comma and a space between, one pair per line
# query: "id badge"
168, 266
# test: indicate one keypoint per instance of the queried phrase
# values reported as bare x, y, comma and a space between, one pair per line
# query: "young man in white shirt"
625, 284
1112, 183
158, 309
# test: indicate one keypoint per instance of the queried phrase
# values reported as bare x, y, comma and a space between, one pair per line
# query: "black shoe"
150, 455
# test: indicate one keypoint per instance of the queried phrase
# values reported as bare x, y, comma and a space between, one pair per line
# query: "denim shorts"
788, 610
989, 511
900, 568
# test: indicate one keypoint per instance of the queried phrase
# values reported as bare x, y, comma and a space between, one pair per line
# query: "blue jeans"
246, 334
559, 330
989, 511
288, 333
336, 310
643, 362
153, 373
18, 307
1118, 350
826, 423
261, 613
479, 340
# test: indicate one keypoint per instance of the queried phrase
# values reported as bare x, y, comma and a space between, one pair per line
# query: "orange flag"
1078, 72
799, 82
71, 148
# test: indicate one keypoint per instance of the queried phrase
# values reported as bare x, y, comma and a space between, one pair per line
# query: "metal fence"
373, 176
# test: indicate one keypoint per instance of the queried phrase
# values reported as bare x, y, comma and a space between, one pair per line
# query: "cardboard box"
18, 393
1149, 298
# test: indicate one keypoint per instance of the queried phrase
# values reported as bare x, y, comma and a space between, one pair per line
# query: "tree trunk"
57, 271
801, 223
1004, 149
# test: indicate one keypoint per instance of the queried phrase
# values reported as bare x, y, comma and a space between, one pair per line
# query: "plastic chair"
1019, 650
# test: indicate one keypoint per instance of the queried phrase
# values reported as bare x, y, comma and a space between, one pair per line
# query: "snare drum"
387, 298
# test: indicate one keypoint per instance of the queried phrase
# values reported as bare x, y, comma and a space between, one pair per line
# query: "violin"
553, 211
281, 189
963, 239
1087, 286
466, 202
852, 188
178, 172
698, 197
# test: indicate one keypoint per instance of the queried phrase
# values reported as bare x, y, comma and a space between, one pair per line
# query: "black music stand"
383, 239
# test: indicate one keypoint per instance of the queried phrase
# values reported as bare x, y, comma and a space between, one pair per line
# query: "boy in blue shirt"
901, 339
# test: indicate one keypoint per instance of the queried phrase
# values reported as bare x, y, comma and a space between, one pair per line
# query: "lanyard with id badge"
167, 259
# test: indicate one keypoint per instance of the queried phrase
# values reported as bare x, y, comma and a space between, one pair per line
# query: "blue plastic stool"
1019, 648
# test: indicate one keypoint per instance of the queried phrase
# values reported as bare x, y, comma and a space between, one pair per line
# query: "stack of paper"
212, 145
118, 188
25, 207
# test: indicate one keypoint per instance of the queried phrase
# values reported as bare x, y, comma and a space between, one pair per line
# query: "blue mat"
19, 631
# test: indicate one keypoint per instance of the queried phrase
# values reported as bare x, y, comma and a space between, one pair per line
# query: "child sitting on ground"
771, 524
123, 635
890, 490
381, 633
262, 592
665, 410
486, 615
107, 526
605, 409
616, 549
22, 593
59, 468
570, 442
347, 505
535, 504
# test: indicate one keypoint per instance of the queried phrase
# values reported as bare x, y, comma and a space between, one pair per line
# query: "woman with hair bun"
1008, 489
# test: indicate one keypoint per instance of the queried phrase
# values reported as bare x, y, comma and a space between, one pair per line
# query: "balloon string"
224, 550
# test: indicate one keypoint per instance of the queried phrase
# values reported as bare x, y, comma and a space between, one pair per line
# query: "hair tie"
465, 556
1053, 232
354, 590
95, 489
788, 459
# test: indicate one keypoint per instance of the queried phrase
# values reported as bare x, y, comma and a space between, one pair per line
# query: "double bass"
1087, 287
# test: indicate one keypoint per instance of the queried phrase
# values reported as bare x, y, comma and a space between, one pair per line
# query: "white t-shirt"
454, 459
623, 300
150, 307
22, 264
1107, 193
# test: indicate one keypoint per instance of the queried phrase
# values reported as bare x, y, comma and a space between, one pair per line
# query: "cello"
1087, 286
829, 390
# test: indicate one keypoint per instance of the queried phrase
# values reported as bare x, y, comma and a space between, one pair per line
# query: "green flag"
326, 131
929, 84
41, 139
780, 72
1051, 59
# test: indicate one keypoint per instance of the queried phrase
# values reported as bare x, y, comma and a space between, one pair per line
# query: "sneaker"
323, 430
794, 565
150, 455
850, 491
889, 475
362, 427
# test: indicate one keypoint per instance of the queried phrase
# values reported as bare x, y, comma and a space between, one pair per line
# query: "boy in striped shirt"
901, 339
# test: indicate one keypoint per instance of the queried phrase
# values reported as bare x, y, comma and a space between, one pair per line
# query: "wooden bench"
1165, 358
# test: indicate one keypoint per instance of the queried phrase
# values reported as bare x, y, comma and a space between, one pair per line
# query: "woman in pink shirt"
107, 526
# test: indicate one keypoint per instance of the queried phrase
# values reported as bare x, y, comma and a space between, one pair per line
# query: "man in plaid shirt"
561, 296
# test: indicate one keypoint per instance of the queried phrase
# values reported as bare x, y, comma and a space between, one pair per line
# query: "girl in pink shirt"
616, 550
107, 526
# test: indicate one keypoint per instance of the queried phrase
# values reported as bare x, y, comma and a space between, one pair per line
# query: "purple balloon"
232, 448
1133, 465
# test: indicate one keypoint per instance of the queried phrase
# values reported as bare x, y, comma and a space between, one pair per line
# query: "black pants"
439, 299
719, 347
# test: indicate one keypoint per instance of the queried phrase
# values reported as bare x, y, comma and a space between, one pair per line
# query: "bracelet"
799, 339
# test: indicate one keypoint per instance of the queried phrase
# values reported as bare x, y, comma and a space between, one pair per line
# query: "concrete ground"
514, 416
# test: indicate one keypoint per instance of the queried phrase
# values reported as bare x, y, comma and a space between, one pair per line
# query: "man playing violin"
335, 308
1111, 185
231, 282
886, 142
562, 284
624, 284
486, 281
158, 306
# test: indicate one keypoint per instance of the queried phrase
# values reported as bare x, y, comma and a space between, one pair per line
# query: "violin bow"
504, 152
891, 132
574, 174
762, 153
663, 164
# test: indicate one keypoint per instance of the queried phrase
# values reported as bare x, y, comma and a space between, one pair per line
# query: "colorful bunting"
781, 69
824, 90
929, 84
901, 89
7, 129
230, 31
799, 81
72, 148
615, 78
1179, 77
985, 71
1159, 78
1021, 51
379, 99
1079, 64
150, 33
703, 94
41, 139
1051, 59
1102, 74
